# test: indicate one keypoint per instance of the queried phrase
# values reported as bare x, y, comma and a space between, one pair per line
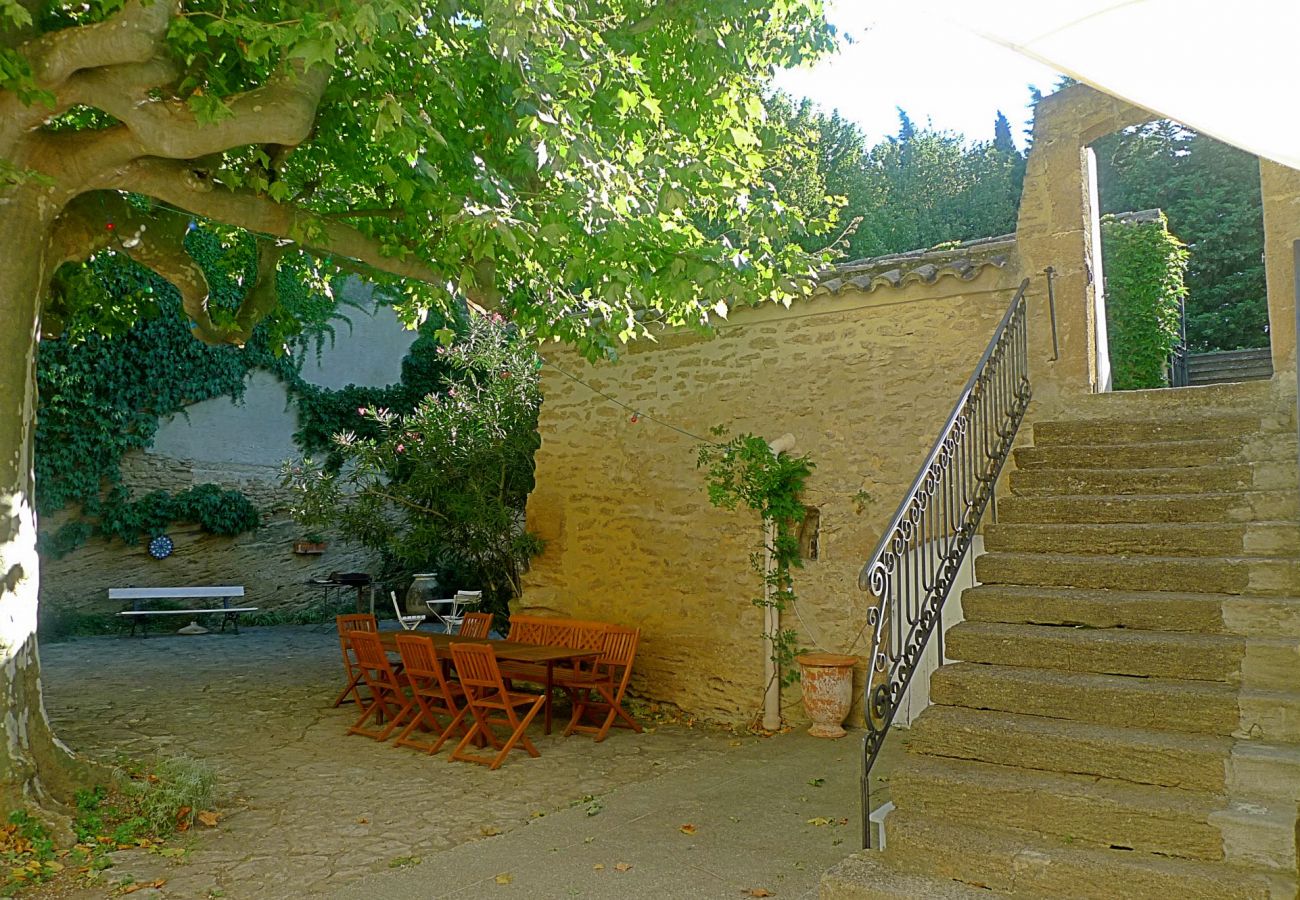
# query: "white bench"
137, 596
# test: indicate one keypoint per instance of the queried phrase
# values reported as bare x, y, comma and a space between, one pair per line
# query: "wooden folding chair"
346, 624
485, 693
475, 625
431, 690
608, 681
388, 701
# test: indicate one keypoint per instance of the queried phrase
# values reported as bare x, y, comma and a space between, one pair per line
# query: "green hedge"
1144, 266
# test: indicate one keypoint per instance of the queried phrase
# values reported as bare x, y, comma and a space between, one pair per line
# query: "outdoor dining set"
432, 687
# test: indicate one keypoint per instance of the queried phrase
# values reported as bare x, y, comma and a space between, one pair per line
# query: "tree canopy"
581, 167
914, 189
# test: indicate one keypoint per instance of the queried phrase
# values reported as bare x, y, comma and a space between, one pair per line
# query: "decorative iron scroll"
920, 552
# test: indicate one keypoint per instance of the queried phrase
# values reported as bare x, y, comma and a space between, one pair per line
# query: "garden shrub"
1144, 266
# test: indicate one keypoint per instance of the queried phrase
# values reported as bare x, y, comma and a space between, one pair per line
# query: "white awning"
1228, 68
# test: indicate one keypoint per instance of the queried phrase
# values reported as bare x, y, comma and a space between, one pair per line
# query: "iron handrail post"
1051, 310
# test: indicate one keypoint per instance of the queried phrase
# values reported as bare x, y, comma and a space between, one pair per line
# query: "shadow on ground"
310, 811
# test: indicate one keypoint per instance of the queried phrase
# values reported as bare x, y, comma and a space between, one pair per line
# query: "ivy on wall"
105, 389
1144, 266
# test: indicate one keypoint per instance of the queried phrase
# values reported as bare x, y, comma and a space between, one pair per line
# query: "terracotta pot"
827, 680
308, 548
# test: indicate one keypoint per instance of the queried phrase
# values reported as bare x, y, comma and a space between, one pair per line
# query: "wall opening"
810, 534
1207, 196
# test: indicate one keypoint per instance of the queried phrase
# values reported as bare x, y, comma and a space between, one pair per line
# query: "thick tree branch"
132, 35
79, 232
95, 222
282, 111
175, 184
263, 295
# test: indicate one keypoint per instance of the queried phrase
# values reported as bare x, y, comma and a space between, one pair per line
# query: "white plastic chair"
450, 611
409, 623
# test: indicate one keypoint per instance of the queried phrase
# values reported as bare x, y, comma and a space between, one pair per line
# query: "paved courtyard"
309, 811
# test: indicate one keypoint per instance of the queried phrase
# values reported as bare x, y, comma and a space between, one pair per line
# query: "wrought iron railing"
922, 548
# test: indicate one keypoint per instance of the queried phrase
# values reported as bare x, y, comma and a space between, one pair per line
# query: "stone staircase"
1125, 718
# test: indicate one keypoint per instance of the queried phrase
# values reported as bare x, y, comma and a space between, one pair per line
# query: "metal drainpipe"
771, 615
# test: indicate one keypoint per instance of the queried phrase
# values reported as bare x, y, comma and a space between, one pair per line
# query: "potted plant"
311, 544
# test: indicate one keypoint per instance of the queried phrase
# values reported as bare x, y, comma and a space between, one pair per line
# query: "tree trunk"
35, 768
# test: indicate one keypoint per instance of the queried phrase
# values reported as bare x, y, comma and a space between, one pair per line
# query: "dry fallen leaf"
504, 878
622, 867
363, 821
489, 831
209, 818
688, 829
599, 867
141, 885
819, 821
759, 892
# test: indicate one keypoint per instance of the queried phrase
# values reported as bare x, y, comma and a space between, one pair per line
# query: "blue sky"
949, 78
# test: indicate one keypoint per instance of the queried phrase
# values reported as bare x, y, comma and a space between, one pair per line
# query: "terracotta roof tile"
963, 261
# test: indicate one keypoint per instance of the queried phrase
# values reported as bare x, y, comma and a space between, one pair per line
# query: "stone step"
1183, 404
867, 875
1245, 615
1022, 864
1171, 539
1106, 481
1148, 430
1098, 812
1256, 663
1271, 576
1162, 455
1230, 506
1194, 762
1272, 715
1266, 770
1102, 651
1203, 707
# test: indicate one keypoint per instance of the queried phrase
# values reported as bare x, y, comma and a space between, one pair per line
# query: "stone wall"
1280, 187
863, 380
236, 445
863, 376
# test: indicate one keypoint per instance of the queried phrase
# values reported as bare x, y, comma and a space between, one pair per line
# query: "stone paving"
309, 810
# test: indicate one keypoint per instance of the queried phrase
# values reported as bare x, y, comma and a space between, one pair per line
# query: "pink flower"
361, 410
401, 448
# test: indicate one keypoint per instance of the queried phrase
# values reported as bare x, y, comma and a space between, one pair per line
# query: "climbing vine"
743, 471
1144, 266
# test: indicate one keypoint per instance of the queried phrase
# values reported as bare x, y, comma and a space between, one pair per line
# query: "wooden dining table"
547, 655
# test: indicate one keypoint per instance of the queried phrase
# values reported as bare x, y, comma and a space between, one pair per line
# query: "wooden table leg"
550, 672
